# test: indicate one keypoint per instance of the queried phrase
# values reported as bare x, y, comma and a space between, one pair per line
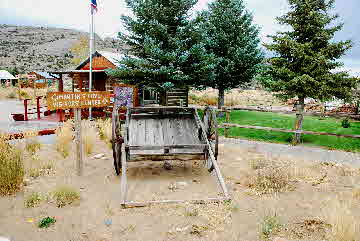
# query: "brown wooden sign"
69, 100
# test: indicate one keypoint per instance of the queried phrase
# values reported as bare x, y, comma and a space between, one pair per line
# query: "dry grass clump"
356, 193
89, 136
35, 172
234, 97
271, 179
257, 164
33, 200
7, 93
344, 225
11, 168
65, 196
32, 146
105, 130
44, 169
64, 137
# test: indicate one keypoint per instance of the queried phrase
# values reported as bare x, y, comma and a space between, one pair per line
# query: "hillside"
43, 48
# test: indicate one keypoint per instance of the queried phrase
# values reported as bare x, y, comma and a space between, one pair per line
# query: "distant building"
7, 79
36, 79
41, 79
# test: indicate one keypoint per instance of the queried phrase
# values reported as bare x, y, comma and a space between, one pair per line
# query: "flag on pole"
93, 7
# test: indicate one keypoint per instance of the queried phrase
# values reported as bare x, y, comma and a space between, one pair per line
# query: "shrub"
32, 146
11, 168
88, 135
65, 195
33, 200
344, 225
34, 172
11, 95
258, 163
345, 123
271, 180
270, 225
23, 94
46, 222
105, 130
64, 137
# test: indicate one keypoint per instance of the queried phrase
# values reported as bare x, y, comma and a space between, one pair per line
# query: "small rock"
108, 222
279, 239
26, 183
172, 186
155, 173
98, 156
104, 158
167, 166
195, 180
182, 229
181, 184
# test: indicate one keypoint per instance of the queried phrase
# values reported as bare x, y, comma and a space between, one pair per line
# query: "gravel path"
305, 153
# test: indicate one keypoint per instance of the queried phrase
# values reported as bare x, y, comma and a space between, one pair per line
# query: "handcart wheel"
116, 140
211, 131
116, 146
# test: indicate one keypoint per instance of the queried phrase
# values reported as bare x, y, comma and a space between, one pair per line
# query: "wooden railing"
228, 125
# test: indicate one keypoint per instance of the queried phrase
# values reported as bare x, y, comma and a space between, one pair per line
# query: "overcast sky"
75, 14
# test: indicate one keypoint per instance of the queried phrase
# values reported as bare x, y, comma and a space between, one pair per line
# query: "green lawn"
275, 120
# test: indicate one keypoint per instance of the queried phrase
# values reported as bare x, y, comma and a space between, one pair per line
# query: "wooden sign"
69, 100
125, 95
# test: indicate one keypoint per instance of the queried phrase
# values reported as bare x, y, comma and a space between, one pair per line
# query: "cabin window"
149, 96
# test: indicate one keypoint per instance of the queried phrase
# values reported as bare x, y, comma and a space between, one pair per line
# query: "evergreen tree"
233, 39
306, 56
165, 47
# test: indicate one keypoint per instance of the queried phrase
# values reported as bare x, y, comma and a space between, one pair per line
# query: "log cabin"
102, 60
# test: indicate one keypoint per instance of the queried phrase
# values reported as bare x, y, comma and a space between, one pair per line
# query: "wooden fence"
228, 125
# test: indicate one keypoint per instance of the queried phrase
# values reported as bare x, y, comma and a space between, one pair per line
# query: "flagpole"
91, 54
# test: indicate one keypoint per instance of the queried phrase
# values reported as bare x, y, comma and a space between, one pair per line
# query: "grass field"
275, 120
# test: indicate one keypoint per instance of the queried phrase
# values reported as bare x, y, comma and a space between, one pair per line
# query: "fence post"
227, 120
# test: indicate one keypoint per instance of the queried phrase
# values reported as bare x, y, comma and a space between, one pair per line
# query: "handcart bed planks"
165, 133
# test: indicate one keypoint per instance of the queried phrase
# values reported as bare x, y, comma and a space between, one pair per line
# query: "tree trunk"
221, 98
221, 101
299, 119
357, 105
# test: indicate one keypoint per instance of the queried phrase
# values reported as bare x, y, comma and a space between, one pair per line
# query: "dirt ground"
311, 200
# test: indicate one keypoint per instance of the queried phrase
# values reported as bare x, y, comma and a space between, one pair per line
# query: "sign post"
77, 101
78, 140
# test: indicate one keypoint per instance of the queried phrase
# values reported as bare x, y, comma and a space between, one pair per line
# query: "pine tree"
306, 56
233, 39
165, 47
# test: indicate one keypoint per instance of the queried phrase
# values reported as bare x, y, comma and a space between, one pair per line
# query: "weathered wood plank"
157, 109
167, 156
211, 156
134, 204
123, 178
287, 130
161, 116
177, 146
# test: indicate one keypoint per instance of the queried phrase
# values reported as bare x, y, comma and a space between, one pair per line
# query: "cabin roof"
46, 75
6, 75
113, 57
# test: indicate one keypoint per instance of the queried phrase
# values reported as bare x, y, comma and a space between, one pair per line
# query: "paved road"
8, 125
296, 152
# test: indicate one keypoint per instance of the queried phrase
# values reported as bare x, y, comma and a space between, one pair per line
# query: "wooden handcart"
165, 133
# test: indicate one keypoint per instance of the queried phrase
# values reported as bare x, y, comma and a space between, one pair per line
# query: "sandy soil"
302, 208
